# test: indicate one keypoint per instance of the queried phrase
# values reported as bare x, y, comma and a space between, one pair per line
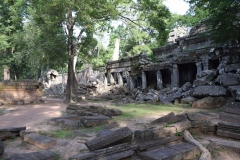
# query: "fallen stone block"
111, 153
229, 117
93, 121
24, 132
232, 67
40, 140
216, 91
197, 117
67, 116
161, 154
232, 107
70, 124
104, 132
169, 118
229, 79
187, 150
181, 126
157, 142
119, 136
233, 145
1, 148
229, 134
229, 126
209, 102
41, 155
10, 132
154, 133
206, 79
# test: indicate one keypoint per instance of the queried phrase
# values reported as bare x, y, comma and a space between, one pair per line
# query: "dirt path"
29, 115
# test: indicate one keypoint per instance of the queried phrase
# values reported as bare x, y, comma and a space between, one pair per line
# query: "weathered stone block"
188, 150
161, 154
181, 126
230, 126
234, 91
169, 118
232, 107
229, 134
10, 132
203, 91
232, 67
158, 142
92, 121
119, 136
229, 117
209, 102
41, 155
229, 79
233, 145
188, 100
40, 140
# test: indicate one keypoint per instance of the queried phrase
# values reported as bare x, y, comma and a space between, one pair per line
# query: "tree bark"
72, 81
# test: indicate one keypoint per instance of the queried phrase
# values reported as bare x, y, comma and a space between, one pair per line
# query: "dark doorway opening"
137, 82
151, 79
213, 64
187, 73
166, 78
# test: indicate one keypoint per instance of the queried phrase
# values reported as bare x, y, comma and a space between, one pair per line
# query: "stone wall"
20, 92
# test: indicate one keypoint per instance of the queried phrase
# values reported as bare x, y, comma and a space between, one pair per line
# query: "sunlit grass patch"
62, 134
92, 129
134, 110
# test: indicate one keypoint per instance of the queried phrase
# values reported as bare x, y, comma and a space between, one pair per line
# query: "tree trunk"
72, 81
63, 78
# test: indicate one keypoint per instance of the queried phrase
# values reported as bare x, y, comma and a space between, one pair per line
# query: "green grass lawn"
140, 110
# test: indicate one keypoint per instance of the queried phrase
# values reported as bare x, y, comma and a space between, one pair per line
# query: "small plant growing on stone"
179, 134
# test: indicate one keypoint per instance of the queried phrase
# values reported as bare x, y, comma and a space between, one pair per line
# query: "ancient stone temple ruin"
20, 92
192, 61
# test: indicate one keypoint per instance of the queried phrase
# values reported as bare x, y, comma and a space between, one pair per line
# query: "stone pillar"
120, 79
205, 63
105, 82
159, 80
175, 76
199, 67
126, 73
6, 74
144, 80
131, 84
111, 79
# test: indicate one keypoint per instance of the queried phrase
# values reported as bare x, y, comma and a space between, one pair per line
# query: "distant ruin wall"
20, 92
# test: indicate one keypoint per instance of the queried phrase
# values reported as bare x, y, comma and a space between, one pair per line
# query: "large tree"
78, 19
223, 18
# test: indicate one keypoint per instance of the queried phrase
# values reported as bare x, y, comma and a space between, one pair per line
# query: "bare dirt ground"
36, 117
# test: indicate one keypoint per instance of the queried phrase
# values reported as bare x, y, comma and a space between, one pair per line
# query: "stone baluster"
175, 76
111, 79
199, 67
159, 80
205, 63
6, 74
120, 79
144, 80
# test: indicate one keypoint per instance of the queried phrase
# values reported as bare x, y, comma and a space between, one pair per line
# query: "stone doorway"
187, 73
213, 63
166, 78
151, 79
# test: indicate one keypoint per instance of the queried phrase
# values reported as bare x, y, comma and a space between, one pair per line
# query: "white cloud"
177, 6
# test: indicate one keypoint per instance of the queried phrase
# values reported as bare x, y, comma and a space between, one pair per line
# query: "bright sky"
177, 6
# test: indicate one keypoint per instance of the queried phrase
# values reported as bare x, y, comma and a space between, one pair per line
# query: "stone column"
120, 79
126, 73
199, 67
105, 82
175, 76
131, 84
111, 79
159, 80
205, 63
144, 80
6, 74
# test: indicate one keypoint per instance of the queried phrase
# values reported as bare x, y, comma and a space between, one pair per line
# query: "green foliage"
93, 129
223, 18
179, 134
